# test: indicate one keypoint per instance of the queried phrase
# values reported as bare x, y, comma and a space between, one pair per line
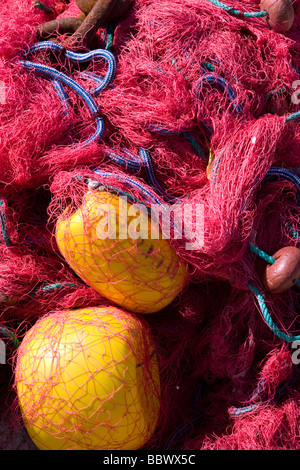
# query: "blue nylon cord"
61, 77
220, 83
146, 159
129, 162
292, 117
58, 78
169, 132
281, 390
233, 11
151, 196
143, 189
97, 54
63, 96
287, 175
264, 310
261, 254
5, 236
136, 164
82, 58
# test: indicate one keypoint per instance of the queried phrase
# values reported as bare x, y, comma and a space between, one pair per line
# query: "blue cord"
136, 164
264, 310
58, 78
233, 11
61, 77
169, 132
5, 236
63, 97
151, 196
287, 175
82, 58
129, 162
220, 83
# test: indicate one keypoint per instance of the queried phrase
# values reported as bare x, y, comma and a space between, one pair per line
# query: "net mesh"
232, 382
88, 379
118, 254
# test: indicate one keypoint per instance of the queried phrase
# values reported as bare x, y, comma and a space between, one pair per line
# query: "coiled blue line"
152, 199
267, 317
170, 132
233, 11
132, 162
150, 196
146, 159
221, 83
63, 96
288, 175
258, 395
285, 174
61, 77
97, 54
82, 58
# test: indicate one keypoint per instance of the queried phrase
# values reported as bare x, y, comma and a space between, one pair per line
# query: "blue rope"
146, 159
5, 236
169, 132
136, 164
11, 335
292, 117
82, 58
281, 390
97, 54
261, 254
151, 196
61, 77
267, 317
288, 175
220, 83
58, 78
129, 162
63, 97
233, 11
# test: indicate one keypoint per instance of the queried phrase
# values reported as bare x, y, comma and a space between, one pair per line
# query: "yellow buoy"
114, 251
88, 379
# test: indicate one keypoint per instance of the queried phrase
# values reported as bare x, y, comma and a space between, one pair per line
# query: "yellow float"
140, 273
88, 379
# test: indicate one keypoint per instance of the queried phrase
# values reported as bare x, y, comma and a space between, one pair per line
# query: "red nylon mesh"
88, 379
212, 344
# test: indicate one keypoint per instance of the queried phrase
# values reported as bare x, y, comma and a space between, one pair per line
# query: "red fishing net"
198, 138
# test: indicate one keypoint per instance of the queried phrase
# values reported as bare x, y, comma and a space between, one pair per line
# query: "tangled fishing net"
190, 109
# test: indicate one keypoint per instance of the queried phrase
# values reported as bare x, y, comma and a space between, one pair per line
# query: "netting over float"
178, 105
